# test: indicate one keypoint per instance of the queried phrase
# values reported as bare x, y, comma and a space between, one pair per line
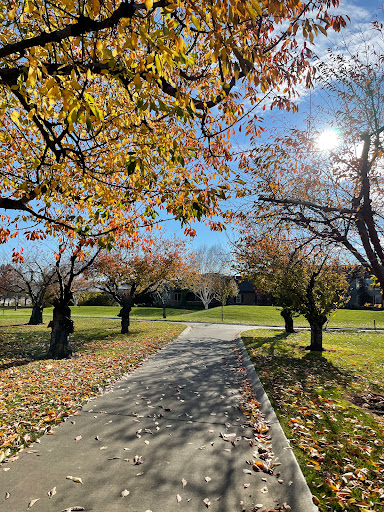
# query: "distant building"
362, 290
248, 295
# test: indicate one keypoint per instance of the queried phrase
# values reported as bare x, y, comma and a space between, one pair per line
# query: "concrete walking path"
167, 437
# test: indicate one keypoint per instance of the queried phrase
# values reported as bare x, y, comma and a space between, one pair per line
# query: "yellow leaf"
15, 117
148, 4
32, 75
195, 21
96, 7
257, 7
137, 80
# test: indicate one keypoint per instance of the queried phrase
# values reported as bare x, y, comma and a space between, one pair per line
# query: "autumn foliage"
106, 106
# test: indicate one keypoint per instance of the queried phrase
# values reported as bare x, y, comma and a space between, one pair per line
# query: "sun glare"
328, 140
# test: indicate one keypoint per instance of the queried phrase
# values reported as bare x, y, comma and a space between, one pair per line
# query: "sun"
328, 140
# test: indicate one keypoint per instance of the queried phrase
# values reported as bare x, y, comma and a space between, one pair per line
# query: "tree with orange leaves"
303, 279
113, 110
331, 194
128, 275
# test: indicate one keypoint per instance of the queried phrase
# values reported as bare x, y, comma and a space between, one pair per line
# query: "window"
239, 299
177, 297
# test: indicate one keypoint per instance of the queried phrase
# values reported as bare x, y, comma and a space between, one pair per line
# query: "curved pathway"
167, 437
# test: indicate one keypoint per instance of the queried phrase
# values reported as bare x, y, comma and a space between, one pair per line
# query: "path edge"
300, 499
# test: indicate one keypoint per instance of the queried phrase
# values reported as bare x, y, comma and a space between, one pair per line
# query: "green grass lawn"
269, 315
37, 394
318, 399
251, 315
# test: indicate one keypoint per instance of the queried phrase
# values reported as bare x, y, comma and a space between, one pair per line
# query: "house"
248, 295
362, 290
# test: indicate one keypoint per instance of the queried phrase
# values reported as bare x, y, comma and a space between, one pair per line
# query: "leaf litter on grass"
338, 445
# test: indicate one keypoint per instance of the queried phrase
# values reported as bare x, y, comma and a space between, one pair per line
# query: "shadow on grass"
271, 344
291, 361
18, 348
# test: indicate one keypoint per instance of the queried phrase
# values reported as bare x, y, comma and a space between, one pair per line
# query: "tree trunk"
206, 305
288, 319
36, 315
62, 327
124, 314
316, 335
164, 312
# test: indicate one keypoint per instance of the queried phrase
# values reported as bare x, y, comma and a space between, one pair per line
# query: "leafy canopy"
108, 108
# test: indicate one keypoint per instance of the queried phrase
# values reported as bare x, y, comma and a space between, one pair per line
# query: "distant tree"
302, 280
38, 278
224, 287
207, 262
128, 275
11, 284
267, 263
81, 286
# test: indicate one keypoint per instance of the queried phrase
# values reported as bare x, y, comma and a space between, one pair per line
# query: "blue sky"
361, 14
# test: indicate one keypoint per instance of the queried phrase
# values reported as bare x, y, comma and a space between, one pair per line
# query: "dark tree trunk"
62, 327
164, 312
316, 334
124, 314
36, 315
288, 319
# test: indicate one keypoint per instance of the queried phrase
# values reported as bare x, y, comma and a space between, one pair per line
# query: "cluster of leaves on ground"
339, 445
35, 395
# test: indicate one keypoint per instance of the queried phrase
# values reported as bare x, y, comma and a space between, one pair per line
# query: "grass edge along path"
37, 395
338, 445
239, 314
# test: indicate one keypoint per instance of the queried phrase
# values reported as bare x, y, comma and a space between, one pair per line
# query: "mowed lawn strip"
37, 394
338, 444
252, 315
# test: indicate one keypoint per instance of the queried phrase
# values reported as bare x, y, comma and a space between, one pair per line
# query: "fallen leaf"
264, 490
206, 502
184, 482
138, 459
207, 479
52, 492
74, 479
32, 502
77, 438
246, 486
103, 448
7, 495
124, 493
76, 508
178, 498
140, 474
